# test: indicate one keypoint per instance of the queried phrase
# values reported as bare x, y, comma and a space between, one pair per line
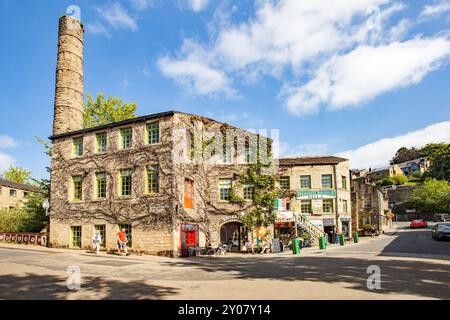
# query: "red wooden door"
191, 239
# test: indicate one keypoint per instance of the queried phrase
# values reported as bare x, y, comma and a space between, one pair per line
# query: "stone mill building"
143, 174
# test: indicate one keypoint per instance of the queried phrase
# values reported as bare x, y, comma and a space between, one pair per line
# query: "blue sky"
357, 78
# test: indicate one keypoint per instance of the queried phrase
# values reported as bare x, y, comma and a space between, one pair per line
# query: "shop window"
75, 236
188, 193
305, 207
327, 205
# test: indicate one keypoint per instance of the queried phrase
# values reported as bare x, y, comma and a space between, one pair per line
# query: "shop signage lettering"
316, 194
227, 218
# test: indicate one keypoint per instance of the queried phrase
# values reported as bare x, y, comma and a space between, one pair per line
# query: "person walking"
97, 240
122, 241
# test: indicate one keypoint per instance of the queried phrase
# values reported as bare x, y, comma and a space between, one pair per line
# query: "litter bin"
323, 242
341, 239
296, 246
355, 237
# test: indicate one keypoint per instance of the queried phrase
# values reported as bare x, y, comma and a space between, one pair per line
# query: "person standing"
122, 241
97, 240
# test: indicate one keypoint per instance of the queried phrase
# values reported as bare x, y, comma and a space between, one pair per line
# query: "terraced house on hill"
141, 174
14, 194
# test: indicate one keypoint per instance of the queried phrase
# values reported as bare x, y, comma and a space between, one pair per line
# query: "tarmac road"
412, 265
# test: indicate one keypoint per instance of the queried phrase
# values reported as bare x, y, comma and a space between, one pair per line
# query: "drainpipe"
337, 230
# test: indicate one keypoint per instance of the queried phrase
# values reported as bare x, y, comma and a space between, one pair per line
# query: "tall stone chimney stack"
68, 114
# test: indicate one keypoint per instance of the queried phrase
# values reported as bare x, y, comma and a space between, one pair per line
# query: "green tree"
265, 195
439, 155
17, 174
405, 154
397, 180
106, 110
433, 196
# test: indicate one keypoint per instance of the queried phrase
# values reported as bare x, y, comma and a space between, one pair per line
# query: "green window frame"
152, 185
285, 182
305, 182
101, 143
344, 183
77, 186
153, 133
126, 182
345, 206
327, 181
75, 236
306, 207
126, 136
100, 185
128, 232
249, 192
77, 147
225, 189
102, 229
327, 206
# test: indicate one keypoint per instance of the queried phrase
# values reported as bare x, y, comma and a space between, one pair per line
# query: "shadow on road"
45, 287
417, 244
397, 276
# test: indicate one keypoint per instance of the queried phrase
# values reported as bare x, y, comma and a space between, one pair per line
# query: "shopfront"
284, 226
328, 228
345, 226
189, 238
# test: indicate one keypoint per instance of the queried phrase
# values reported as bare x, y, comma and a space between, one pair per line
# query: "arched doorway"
233, 234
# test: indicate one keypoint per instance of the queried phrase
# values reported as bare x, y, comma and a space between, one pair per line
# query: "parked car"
441, 217
418, 224
441, 231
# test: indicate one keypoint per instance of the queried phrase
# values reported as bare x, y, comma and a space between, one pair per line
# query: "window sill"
99, 200
125, 197
152, 194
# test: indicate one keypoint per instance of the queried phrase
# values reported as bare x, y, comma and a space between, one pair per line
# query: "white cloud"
379, 153
198, 5
5, 161
7, 142
433, 10
194, 72
324, 52
117, 17
98, 28
366, 72
141, 4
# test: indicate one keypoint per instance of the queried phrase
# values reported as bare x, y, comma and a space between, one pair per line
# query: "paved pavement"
412, 267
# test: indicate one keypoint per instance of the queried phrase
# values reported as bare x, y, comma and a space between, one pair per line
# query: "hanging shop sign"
280, 204
316, 194
285, 215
